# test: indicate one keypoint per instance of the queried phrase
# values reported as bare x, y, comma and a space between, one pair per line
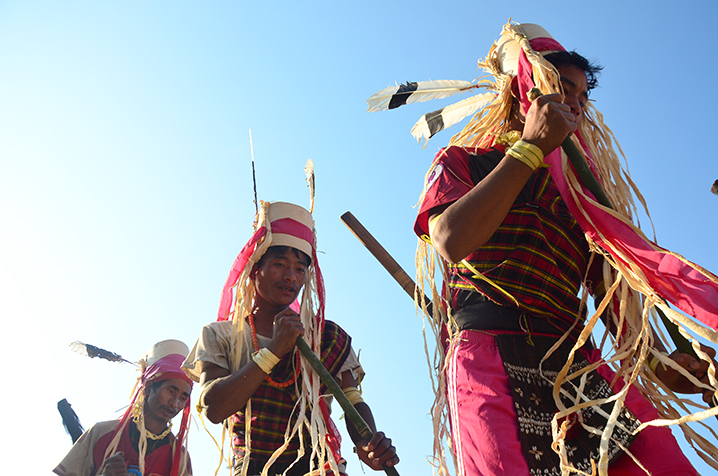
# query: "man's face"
280, 276
166, 400
575, 88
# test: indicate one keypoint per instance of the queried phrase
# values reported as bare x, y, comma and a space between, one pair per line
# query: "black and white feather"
411, 92
438, 120
94, 351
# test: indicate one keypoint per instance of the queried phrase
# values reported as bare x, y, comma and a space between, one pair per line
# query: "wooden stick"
383, 256
338, 393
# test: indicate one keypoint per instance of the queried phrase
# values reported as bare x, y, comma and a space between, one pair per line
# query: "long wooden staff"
334, 388
383, 257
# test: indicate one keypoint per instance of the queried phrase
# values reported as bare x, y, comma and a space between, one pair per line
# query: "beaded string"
269, 379
148, 433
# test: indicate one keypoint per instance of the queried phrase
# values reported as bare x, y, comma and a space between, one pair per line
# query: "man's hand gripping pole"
591, 183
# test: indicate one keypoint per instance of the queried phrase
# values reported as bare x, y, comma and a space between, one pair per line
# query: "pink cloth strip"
290, 226
524, 74
690, 289
286, 226
676, 280
166, 368
225, 302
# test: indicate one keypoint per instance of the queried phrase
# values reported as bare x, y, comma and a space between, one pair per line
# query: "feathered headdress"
638, 273
162, 362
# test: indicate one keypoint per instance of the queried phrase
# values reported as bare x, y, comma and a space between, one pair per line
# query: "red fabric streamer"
691, 289
225, 303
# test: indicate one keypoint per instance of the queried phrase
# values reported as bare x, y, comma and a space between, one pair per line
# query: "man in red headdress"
251, 373
141, 442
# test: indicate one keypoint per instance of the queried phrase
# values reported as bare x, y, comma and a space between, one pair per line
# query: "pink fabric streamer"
688, 288
692, 290
225, 302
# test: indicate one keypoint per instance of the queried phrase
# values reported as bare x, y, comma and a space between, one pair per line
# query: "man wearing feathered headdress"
251, 373
141, 442
521, 243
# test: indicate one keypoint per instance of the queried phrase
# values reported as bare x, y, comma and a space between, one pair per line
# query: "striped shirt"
538, 254
272, 407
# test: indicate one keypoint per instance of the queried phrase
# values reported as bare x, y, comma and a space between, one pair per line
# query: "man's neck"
264, 318
156, 426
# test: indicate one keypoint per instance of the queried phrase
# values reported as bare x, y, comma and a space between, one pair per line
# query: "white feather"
450, 115
425, 91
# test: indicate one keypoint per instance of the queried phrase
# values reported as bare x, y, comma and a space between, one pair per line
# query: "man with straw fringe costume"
141, 442
520, 243
251, 373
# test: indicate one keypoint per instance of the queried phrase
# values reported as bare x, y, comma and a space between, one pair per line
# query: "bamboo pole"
383, 256
591, 183
344, 402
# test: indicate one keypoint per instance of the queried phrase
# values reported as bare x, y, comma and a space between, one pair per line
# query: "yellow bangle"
266, 360
653, 364
521, 158
353, 394
528, 154
532, 149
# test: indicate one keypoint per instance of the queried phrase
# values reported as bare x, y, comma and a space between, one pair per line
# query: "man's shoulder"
462, 162
331, 326
102, 427
221, 325
455, 152
218, 329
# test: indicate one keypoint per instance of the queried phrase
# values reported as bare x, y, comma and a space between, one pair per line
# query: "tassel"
433, 122
93, 351
393, 97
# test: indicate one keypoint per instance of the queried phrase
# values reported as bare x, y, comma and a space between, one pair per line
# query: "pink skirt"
484, 424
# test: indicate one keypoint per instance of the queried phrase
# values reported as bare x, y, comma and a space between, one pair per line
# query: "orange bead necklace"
269, 379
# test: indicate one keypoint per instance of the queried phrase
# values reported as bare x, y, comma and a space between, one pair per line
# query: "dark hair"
572, 58
273, 251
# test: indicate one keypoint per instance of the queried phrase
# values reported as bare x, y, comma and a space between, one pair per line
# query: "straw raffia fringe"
629, 299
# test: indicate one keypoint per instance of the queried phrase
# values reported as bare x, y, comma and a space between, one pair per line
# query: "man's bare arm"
469, 222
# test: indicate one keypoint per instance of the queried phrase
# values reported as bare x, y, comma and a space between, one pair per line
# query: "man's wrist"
529, 154
266, 360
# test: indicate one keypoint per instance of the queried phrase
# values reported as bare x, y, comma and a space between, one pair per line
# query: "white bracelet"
266, 360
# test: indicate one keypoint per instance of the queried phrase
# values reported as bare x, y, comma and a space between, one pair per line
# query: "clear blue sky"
126, 191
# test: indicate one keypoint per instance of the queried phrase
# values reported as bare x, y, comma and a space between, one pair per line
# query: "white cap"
508, 50
300, 236
165, 348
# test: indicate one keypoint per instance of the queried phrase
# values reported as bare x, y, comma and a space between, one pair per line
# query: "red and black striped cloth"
272, 407
539, 253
